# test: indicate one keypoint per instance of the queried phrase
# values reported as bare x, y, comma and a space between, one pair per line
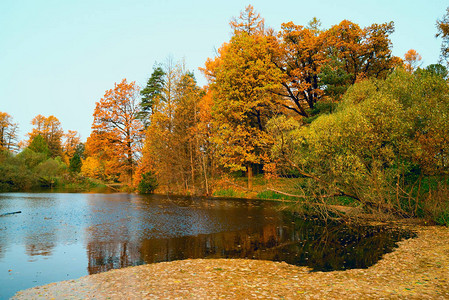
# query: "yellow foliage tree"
240, 80
93, 168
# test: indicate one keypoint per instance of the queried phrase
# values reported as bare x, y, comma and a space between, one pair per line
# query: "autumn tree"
249, 21
50, 129
103, 158
171, 145
157, 101
204, 133
299, 54
411, 60
72, 140
116, 128
443, 32
316, 62
73, 150
94, 168
356, 53
188, 96
240, 79
8, 133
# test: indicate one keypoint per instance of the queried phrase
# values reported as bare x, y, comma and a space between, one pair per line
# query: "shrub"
147, 184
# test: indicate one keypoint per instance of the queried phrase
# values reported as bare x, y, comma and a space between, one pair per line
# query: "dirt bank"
419, 269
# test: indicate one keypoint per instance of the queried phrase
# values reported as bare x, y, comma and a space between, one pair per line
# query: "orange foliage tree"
316, 62
116, 131
299, 54
357, 53
8, 133
50, 129
411, 60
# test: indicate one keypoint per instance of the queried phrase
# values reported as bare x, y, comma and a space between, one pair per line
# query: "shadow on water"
64, 236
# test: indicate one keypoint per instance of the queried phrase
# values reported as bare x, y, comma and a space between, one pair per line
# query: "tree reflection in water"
322, 247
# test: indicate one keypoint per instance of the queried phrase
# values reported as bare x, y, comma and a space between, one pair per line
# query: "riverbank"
418, 268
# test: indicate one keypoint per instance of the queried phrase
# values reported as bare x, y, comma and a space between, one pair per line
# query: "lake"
61, 236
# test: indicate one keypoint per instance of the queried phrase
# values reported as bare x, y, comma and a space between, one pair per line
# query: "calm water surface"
65, 236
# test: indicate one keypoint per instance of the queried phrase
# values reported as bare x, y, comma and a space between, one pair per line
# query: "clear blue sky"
59, 57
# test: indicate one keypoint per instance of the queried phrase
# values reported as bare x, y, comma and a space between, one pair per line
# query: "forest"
321, 117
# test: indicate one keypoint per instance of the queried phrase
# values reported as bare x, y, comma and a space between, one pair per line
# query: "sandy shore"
418, 269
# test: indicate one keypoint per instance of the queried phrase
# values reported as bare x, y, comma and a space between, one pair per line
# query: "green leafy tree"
49, 172
39, 145
80, 149
14, 173
438, 69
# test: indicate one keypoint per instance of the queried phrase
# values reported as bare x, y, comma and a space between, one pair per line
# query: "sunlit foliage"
241, 78
116, 131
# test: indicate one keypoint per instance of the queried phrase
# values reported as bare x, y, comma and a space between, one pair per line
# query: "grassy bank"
427, 201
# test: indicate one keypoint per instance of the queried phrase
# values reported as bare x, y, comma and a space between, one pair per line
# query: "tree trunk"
130, 155
250, 176
192, 167
205, 176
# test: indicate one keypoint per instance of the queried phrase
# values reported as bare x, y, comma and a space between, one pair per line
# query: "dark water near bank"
66, 236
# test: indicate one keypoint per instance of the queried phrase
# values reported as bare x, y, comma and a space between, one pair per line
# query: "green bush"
14, 174
148, 183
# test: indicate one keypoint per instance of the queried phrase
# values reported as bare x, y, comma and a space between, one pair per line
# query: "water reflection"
302, 242
92, 233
